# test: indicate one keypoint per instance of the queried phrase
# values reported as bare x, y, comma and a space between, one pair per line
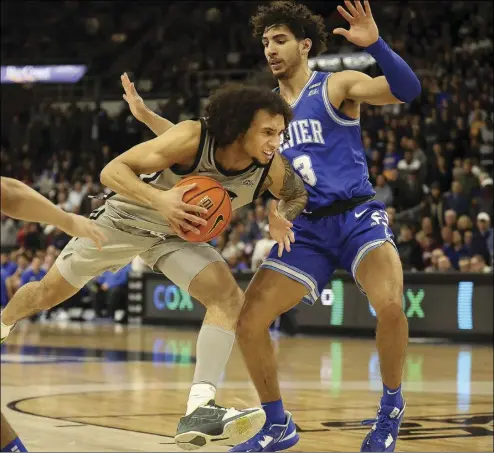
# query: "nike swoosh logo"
219, 219
392, 393
362, 213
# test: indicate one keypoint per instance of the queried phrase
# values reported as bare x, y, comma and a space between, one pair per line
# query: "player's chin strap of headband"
403, 82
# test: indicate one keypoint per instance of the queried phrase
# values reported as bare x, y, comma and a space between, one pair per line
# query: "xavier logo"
218, 220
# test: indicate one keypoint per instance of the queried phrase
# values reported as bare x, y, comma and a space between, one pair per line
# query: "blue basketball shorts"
324, 244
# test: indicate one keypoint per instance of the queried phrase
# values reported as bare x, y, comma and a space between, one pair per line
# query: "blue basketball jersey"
325, 147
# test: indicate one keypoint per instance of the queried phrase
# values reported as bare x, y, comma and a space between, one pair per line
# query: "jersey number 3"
303, 165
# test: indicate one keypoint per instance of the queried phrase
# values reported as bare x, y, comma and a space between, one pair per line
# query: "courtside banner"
43, 74
435, 304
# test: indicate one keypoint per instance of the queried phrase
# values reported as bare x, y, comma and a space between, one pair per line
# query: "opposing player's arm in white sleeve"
178, 145
20, 201
141, 111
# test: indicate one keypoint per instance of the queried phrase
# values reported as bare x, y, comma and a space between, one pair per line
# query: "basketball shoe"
5, 331
272, 437
385, 428
215, 424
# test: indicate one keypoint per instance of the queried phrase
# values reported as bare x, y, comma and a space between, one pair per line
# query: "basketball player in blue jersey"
342, 225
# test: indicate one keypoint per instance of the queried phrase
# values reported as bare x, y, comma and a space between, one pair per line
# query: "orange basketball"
209, 194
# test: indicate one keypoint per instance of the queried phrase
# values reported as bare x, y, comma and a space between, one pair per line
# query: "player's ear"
306, 45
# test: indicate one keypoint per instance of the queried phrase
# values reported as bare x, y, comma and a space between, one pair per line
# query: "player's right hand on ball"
81, 227
181, 216
136, 103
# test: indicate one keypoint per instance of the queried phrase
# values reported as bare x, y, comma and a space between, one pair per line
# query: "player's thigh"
199, 270
282, 282
80, 260
371, 256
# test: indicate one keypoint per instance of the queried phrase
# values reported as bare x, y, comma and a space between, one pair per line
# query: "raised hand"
363, 29
136, 103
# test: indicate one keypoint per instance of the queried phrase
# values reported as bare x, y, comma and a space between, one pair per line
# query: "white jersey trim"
330, 109
303, 89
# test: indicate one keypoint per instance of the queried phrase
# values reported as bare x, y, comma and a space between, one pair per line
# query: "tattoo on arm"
293, 194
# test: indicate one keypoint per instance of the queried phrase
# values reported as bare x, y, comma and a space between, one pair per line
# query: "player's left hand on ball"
280, 229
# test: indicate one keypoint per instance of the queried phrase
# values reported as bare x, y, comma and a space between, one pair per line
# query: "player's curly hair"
301, 21
232, 107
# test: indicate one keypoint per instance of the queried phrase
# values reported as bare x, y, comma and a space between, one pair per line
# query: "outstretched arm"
19, 201
141, 111
399, 83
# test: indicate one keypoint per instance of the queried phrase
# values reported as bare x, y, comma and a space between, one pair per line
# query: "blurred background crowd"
430, 161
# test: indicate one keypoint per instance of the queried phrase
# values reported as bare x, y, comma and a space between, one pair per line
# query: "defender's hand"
81, 227
280, 229
363, 29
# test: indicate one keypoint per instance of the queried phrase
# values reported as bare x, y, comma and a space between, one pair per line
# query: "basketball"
209, 194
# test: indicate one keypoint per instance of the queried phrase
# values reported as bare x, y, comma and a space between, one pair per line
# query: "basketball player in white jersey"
21, 202
236, 145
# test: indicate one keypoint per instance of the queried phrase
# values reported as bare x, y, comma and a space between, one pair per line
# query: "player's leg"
78, 263
279, 285
34, 297
9, 440
201, 271
372, 259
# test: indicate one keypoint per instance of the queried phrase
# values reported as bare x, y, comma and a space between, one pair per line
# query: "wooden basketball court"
88, 388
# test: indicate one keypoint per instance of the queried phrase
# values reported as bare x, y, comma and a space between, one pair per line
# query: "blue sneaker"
272, 437
385, 428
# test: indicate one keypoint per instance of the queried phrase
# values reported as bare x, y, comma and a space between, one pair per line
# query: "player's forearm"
20, 201
120, 178
403, 82
290, 209
156, 123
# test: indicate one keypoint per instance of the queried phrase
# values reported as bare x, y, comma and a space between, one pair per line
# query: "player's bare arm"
285, 184
179, 145
399, 83
141, 111
20, 201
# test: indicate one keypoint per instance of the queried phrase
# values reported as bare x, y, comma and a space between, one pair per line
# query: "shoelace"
383, 423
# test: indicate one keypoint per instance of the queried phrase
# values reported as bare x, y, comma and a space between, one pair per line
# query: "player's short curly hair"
301, 21
232, 107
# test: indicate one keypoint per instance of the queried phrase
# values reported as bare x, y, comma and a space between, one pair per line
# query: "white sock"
200, 394
5, 329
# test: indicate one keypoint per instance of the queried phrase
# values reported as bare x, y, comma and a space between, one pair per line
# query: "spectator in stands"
8, 233
434, 206
409, 250
485, 202
114, 290
76, 196
456, 200
464, 264
478, 265
435, 255
262, 248
34, 273
408, 164
444, 264
13, 282
383, 191
450, 218
469, 182
390, 161
482, 239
